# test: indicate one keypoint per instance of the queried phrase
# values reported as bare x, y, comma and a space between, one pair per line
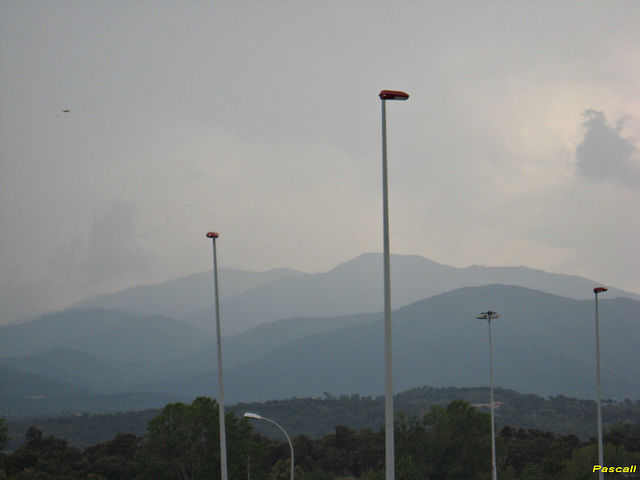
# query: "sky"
128, 129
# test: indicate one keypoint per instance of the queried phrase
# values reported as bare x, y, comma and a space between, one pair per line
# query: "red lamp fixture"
393, 95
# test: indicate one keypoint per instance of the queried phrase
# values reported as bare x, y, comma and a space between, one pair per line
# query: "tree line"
317, 417
447, 442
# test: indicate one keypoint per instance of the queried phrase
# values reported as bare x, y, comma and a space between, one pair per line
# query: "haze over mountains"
292, 334
249, 299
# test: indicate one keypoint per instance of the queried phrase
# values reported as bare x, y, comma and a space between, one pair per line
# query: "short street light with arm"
255, 416
596, 291
488, 316
223, 437
388, 395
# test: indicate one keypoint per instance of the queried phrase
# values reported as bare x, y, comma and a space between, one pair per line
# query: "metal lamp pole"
488, 315
596, 291
388, 406
223, 437
255, 416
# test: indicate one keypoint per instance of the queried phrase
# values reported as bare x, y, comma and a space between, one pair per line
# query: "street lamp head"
393, 95
598, 290
212, 235
255, 416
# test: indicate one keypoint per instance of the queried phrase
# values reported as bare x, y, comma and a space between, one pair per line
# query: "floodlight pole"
488, 315
223, 436
388, 395
596, 291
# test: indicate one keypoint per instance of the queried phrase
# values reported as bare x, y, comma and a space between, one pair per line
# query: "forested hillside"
445, 442
316, 417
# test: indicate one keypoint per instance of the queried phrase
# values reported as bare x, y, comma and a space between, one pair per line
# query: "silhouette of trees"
4, 435
184, 442
452, 442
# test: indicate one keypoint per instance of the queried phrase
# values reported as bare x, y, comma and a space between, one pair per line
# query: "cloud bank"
604, 155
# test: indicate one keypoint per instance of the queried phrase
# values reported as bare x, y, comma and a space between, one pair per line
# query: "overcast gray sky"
520, 144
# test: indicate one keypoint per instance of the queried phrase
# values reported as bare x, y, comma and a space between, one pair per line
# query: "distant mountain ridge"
96, 374
103, 333
184, 296
249, 299
542, 344
285, 335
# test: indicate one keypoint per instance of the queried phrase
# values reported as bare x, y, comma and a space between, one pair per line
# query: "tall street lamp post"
596, 291
255, 416
388, 395
488, 316
223, 438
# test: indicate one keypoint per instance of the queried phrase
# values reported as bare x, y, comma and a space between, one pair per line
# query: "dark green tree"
339, 452
114, 459
4, 435
43, 457
282, 471
183, 442
370, 453
624, 434
446, 443
4, 441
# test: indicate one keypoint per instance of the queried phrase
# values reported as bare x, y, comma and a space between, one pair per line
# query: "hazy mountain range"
284, 340
249, 299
